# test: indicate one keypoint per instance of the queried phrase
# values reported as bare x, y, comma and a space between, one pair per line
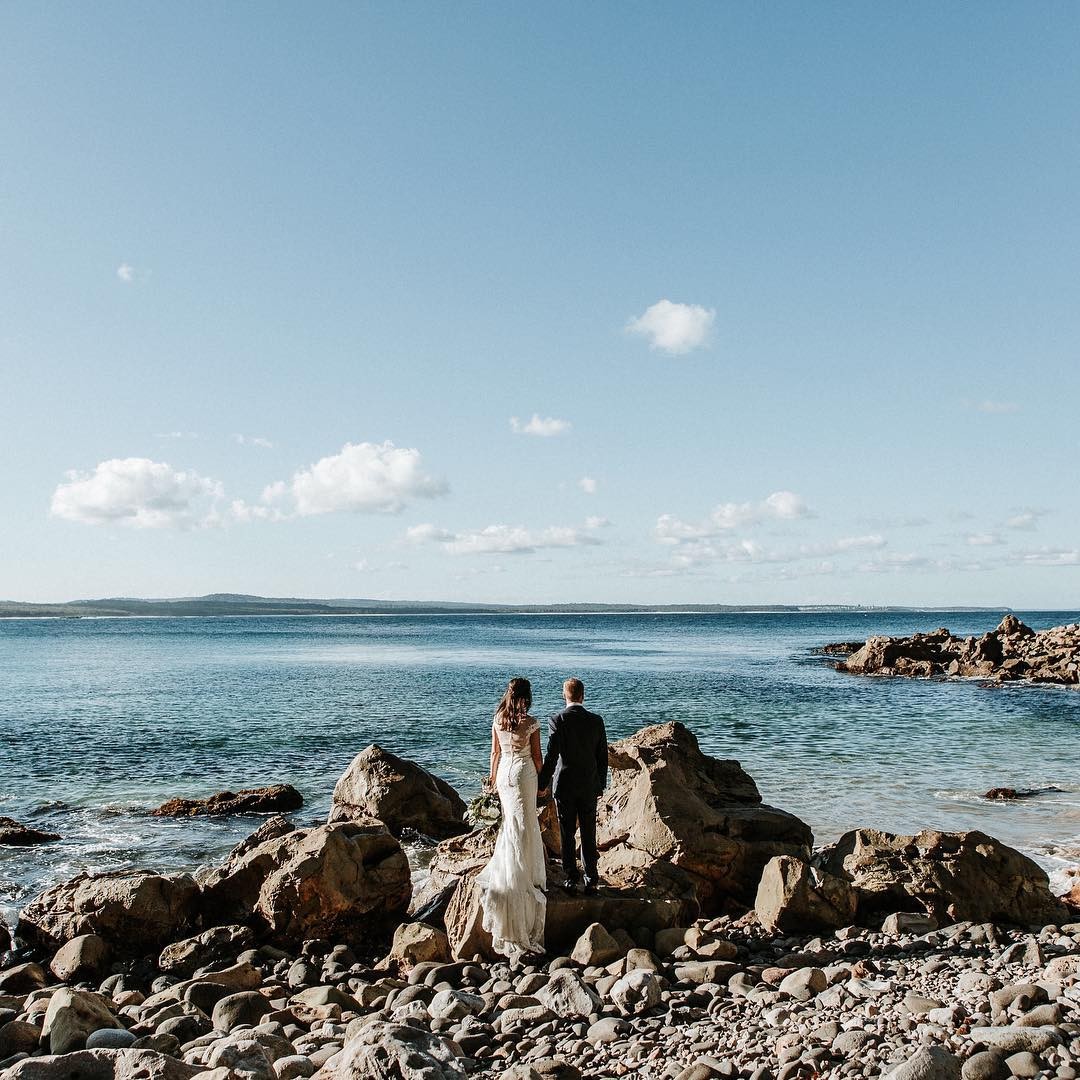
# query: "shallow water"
103, 719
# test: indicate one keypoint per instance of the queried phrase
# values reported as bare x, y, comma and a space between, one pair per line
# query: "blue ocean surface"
103, 719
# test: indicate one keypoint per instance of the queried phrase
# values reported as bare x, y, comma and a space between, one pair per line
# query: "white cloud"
895, 562
544, 427
588, 485
673, 328
126, 273
176, 435
362, 477
699, 551
1052, 557
597, 522
246, 512
500, 539
854, 543
253, 440
1025, 520
998, 407
779, 506
985, 539
138, 492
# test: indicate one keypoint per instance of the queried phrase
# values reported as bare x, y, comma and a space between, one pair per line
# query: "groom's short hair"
574, 689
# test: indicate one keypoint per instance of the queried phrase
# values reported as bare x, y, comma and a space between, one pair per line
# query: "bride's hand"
488, 785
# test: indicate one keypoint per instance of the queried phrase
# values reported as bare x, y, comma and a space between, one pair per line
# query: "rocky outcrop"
1008, 794
676, 821
952, 876
795, 896
680, 833
1012, 652
135, 911
349, 882
276, 799
399, 793
5, 938
14, 834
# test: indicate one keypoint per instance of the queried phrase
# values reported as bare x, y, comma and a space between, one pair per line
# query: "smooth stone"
1011, 1039
804, 983
928, 1063
110, 1039
293, 1067
985, 1065
1024, 1064
247, 1007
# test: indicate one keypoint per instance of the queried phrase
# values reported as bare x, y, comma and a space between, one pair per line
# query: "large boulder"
676, 820
5, 938
794, 896
348, 882
275, 799
103, 1065
135, 911
399, 793
952, 876
391, 1051
71, 1016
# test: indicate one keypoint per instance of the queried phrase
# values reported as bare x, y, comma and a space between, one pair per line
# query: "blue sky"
783, 299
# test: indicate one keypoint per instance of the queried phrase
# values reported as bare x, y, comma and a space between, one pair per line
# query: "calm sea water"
102, 719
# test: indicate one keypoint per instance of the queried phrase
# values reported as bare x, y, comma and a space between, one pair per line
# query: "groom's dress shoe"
590, 888
570, 885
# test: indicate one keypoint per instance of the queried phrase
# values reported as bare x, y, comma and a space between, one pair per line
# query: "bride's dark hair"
515, 704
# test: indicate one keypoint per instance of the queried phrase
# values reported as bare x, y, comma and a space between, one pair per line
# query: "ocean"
103, 719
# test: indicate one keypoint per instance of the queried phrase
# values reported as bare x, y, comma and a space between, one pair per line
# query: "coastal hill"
240, 604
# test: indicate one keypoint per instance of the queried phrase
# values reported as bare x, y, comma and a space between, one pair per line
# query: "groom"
577, 759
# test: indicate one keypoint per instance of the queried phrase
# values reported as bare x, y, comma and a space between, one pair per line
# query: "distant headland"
239, 604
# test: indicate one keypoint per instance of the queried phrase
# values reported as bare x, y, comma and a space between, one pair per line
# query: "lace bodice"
511, 742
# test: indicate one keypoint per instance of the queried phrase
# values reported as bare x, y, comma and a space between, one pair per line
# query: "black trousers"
578, 814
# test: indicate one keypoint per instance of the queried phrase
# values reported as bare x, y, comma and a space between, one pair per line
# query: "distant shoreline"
226, 605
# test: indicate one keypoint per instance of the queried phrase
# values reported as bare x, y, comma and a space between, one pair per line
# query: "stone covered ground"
720, 999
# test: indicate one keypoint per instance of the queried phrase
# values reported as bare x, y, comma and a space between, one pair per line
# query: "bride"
512, 884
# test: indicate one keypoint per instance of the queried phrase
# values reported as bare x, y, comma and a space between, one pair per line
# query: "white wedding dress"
512, 884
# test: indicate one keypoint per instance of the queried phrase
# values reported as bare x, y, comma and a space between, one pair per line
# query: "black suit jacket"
576, 764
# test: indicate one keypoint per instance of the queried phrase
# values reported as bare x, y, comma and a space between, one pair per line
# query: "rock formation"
637, 981
135, 911
1012, 652
14, 834
679, 832
348, 881
952, 876
276, 799
399, 793
678, 820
